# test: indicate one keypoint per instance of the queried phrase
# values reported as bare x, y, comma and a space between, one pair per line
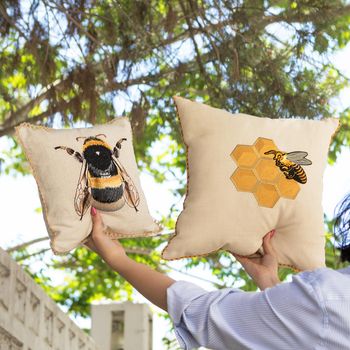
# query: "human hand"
263, 270
150, 283
100, 243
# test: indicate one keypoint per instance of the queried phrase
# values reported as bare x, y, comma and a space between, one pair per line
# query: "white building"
30, 320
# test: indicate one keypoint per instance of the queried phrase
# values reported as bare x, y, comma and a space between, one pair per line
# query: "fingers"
102, 243
239, 258
268, 248
243, 260
97, 223
91, 245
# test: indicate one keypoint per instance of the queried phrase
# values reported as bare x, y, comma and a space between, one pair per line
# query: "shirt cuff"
179, 296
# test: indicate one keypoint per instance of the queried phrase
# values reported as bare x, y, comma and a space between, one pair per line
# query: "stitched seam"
26, 150
336, 131
321, 302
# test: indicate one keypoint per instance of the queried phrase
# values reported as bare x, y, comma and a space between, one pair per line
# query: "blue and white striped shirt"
310, 312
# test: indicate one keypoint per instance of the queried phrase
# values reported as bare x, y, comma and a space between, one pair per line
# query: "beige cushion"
236, 193
58, 175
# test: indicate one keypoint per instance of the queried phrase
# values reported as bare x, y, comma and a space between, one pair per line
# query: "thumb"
97, 223
105, 247
268, 248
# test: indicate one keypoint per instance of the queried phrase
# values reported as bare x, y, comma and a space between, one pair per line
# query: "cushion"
83, 167
248, 175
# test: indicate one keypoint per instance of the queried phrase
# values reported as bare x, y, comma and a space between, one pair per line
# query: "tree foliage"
69, 62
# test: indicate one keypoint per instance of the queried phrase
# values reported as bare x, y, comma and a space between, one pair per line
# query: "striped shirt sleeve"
286, 316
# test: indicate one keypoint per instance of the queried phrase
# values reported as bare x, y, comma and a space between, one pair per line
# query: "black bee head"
98, 156
97, 153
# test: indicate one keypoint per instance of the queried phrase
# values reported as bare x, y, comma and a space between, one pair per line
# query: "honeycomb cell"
266, 195
263, 145
244, 180
267, 171
245, 156
287, 188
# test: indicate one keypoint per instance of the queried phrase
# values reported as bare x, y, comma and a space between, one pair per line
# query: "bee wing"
299, 157
131, 194
82, 198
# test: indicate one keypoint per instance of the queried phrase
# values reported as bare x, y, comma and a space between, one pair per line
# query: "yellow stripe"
103, 182
95, 143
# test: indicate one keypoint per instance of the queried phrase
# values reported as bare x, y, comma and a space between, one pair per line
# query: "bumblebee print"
290, 164
103, 181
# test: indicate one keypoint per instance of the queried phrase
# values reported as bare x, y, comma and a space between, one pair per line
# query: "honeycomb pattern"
266, 195
266, 172
263, 145
244, 180
257, 173
245, 156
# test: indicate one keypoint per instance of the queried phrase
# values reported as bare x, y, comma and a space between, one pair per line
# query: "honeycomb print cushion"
247, 176
83, 167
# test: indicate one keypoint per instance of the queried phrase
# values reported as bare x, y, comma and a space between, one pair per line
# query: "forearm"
150, 283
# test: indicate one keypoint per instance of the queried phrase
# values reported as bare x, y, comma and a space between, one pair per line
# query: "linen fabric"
247, 176
58, 173
310, 312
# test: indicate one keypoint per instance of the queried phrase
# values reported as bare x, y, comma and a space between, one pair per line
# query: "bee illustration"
103, 181
290, 164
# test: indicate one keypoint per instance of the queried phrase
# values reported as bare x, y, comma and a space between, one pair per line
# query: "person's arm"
150, 283
153, 284
285, 316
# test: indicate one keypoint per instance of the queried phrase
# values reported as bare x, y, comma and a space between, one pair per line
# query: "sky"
20, 221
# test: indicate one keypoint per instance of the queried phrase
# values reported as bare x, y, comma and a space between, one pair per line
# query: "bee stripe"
300, 173
103, 182
95, 143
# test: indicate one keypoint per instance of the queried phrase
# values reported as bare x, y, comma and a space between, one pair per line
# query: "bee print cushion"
247, 176
83, 167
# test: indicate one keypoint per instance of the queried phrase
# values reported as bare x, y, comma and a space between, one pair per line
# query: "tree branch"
26, 244
22, 115
9, 20
194, 276
33, 254
130, 250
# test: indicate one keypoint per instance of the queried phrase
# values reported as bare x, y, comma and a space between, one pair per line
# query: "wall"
29, 319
